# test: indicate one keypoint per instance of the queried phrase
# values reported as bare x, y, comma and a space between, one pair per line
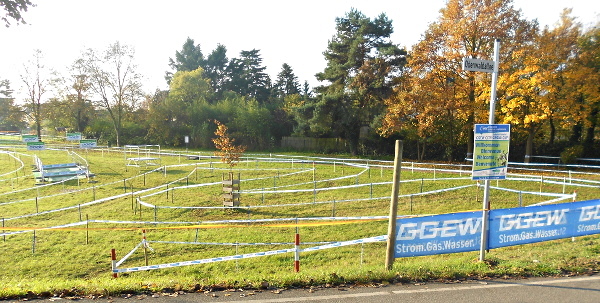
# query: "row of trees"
548, 87
372, 91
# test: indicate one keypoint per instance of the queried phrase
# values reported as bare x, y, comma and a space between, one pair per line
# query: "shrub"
570, 154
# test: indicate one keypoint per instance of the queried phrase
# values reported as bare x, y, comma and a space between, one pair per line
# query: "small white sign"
73, 136
477, 65
36, 146
30, 138
187, 139
87, 143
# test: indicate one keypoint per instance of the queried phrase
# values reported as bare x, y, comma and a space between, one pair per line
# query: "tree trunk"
588, 141
421, 154
576, 133
529, 144
552, 131
38, 119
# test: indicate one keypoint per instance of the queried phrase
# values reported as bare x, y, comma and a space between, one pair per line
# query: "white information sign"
30, 138
87, 143
73, 136
35, 145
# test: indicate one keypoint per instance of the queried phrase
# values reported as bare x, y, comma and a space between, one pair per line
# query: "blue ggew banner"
461, 232
522, 225
440, 234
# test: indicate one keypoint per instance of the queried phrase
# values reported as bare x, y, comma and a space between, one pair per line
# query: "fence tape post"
87, 229
314, 192
145, 246
113, 257
520, 198
33, 243
297, 251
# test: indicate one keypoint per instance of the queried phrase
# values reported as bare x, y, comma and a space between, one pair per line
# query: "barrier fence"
460, 232
437, 234
437, 238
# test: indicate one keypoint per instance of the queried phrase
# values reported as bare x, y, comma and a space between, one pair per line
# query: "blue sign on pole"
440, 234
490, 154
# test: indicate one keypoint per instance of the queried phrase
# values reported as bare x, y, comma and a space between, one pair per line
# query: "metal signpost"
489, 67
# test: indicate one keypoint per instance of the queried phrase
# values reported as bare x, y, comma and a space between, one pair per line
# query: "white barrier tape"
180, 187
138, 222
129, 254
573, 196
572, 184
204, 261
45, 228
565, 181
65, 193
16, 170
237, 243
251, 220
346, 243
533, 192
300, 204
207, 222
250, 255
118, 196
81, 205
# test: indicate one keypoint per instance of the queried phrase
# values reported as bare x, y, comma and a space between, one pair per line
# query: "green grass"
77, 259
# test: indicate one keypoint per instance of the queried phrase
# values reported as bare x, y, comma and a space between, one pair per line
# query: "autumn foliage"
228, 152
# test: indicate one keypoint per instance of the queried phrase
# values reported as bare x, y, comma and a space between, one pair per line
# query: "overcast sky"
292, 32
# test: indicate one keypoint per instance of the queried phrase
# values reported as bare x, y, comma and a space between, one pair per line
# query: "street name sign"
478, 65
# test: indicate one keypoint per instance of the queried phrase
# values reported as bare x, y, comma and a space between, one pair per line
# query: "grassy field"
179, 202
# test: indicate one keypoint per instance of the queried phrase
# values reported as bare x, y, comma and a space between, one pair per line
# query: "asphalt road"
566, 289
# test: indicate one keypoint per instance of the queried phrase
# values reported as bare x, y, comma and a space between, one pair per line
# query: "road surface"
579, 289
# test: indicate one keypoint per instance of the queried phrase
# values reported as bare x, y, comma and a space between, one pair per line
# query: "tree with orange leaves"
228, 152
446, 101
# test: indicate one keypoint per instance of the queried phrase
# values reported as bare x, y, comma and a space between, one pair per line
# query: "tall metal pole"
486, 191
391, 240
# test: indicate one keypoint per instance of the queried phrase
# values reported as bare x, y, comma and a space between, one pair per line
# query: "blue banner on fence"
522, 225
440, 234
